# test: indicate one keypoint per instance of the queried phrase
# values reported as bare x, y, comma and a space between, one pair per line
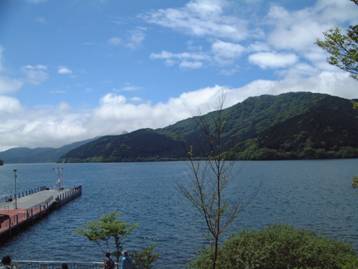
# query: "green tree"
342, 48
108, 232
209, 180
145, 258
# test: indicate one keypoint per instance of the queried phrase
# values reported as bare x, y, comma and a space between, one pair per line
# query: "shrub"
280, 247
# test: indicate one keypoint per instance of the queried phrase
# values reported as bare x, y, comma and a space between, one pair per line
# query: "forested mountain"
141, 145
287, 126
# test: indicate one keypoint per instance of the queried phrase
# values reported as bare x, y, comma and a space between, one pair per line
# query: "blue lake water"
316, 195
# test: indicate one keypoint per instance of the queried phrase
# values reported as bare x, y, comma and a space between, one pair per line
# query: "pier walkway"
33, 200
31, 207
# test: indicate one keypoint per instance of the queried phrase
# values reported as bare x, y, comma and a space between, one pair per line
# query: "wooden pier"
18, 213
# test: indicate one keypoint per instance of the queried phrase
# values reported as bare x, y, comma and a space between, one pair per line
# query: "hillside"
141, 145
37, 155
287, 126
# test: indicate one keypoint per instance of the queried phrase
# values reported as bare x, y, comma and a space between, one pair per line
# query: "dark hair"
6, 260
108, 254
64, 266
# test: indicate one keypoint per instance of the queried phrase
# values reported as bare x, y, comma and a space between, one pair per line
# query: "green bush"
145, 258
280, 247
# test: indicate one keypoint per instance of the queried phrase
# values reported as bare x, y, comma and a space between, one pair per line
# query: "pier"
16, 213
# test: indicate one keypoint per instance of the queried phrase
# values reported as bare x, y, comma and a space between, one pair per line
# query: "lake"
316, 195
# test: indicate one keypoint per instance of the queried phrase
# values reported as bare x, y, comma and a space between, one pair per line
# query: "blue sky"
75, 69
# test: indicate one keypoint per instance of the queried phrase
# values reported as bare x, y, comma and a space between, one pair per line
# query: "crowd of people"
125, 262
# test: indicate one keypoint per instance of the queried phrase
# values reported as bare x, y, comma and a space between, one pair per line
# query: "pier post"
15, 177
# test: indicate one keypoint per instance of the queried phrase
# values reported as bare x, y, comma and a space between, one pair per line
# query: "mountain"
141, 145
37, 155
288, 126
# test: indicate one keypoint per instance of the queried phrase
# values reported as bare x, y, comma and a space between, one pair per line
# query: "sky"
77, 69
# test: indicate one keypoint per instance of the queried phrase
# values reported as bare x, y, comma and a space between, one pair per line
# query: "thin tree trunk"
216, 245
118, 248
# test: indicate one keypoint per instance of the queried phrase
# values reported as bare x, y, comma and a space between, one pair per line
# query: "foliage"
355, 182
355, 105
342, 48
280, 247
108, 233
145, 258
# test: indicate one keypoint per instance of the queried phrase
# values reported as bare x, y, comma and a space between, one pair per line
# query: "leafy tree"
145, 258
108, 233
342, 48
280, 247
209, 179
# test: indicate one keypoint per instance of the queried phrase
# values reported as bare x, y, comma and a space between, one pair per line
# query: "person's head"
64, 266
108, 255
6, 260
125, 253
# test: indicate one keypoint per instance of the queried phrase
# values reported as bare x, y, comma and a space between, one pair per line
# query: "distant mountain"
287, 126
141, 145
37, 155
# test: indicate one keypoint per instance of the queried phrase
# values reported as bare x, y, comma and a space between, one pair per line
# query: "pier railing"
7, 198
28, 264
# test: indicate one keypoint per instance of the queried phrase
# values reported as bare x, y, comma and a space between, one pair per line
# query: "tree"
145, 258
342, 48
209, 179
108, 233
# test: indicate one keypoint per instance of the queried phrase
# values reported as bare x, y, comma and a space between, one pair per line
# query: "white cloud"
191, 60
258, 46
35, 74
222, 53
190, 64
273, 59
129, 87
135, 39
9, 105
63, 70
203, 18
9, 85
115, 41
299, 29
64, 106
226, 52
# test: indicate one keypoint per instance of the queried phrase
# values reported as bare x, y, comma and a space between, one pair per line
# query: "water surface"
316, 195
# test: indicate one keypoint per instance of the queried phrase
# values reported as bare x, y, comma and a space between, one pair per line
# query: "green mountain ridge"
300, 125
